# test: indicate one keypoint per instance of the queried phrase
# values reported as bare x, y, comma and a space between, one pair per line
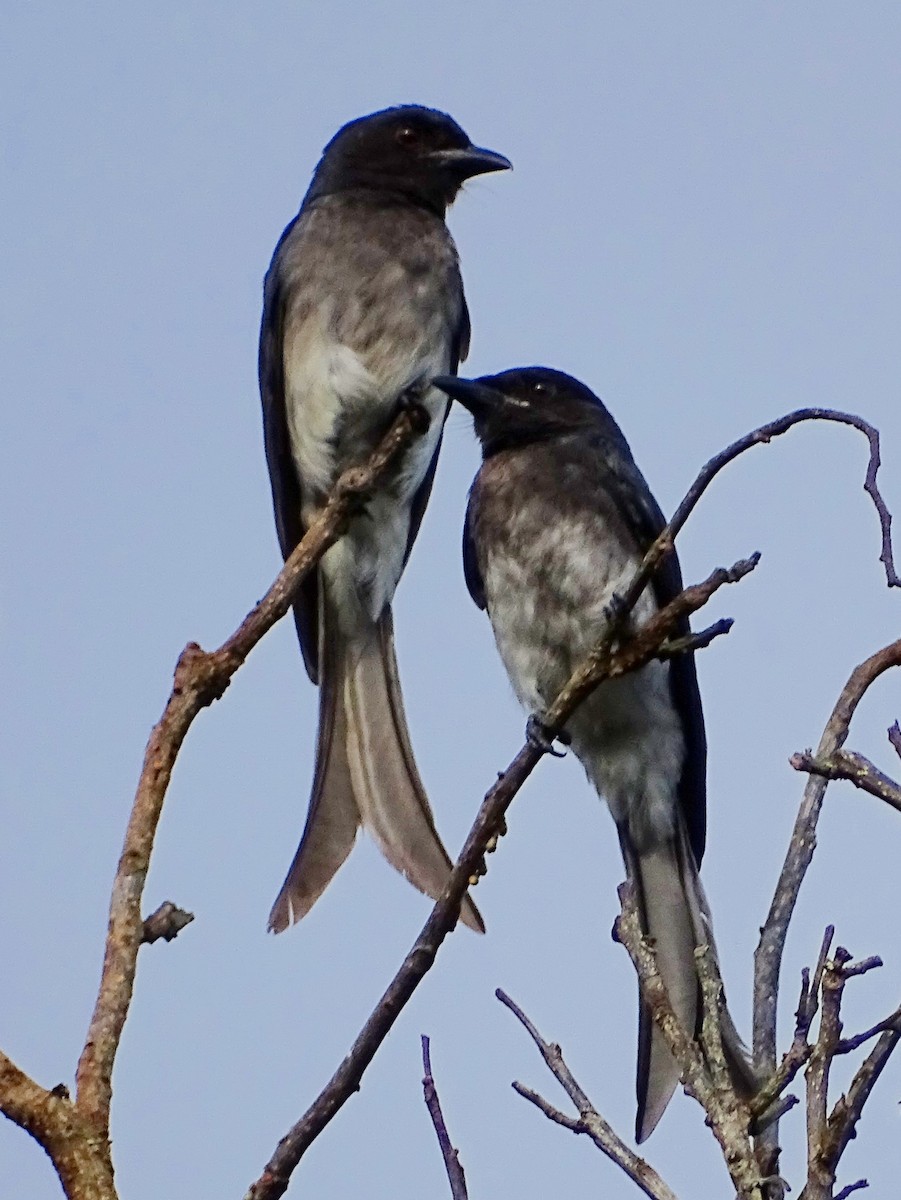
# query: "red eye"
407, 136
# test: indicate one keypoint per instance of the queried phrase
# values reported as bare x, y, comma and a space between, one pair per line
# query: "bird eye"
406, 136
538, 388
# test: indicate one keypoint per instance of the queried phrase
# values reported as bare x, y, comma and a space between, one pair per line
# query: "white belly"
337, 407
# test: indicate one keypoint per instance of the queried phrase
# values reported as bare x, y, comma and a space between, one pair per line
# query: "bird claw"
542, 737
614, 609
411, 401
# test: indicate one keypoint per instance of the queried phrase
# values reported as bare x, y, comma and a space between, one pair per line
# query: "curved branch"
200, 678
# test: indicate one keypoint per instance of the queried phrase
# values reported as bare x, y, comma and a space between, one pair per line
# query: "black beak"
476, 397
471, 160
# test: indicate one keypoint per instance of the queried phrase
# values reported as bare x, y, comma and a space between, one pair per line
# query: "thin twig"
200, 678
455, 1175
590, 1121
848, 1108
851, 1189
695, 641
847, 764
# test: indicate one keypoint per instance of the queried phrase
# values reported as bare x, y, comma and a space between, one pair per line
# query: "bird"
559, 517
362, 303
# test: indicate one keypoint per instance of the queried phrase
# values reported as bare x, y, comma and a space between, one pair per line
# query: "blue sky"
702, 223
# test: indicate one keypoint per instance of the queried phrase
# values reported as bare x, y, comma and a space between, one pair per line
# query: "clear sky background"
702, 223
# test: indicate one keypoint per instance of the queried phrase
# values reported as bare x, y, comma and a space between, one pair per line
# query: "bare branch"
167, 922
605, 662
847, 1111
455, 1175
820, 1170
847, 764
851, 1189
773, 429
768, 957
695, 641
889, 1023
589, 1122
705, 1079
200, 678
82, 1161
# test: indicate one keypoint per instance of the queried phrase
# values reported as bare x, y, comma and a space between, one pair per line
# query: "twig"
847, 764
887, 1024
695, 641
664, 543
851, 1189
590, 1121
200, 678
167, 922
455, 1175
820, 1171
848, 1108
768, 956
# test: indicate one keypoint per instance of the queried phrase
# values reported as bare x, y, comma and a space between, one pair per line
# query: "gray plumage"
363, 303
559, 518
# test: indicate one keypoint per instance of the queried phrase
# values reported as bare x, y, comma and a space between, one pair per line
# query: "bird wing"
287, 496
633, 498
471, 573
459, 351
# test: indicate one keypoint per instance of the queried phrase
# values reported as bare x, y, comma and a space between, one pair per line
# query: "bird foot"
411, 401
614, 609
542, 737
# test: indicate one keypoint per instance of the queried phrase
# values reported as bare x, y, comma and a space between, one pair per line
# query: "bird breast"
550, 568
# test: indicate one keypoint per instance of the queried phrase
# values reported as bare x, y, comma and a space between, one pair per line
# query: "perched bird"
363, 304
559, 517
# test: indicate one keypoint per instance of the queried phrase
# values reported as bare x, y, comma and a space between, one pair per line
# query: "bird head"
416, 151
526, 404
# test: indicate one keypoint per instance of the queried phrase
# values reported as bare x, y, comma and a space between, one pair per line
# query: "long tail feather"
391, 798
333, 817
675, 915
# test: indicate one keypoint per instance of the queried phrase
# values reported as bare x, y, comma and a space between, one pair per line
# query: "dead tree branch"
489, 824
846, 764
200, 678
167, 922
768, 957
455, 1174
589, 1121
76, 1135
